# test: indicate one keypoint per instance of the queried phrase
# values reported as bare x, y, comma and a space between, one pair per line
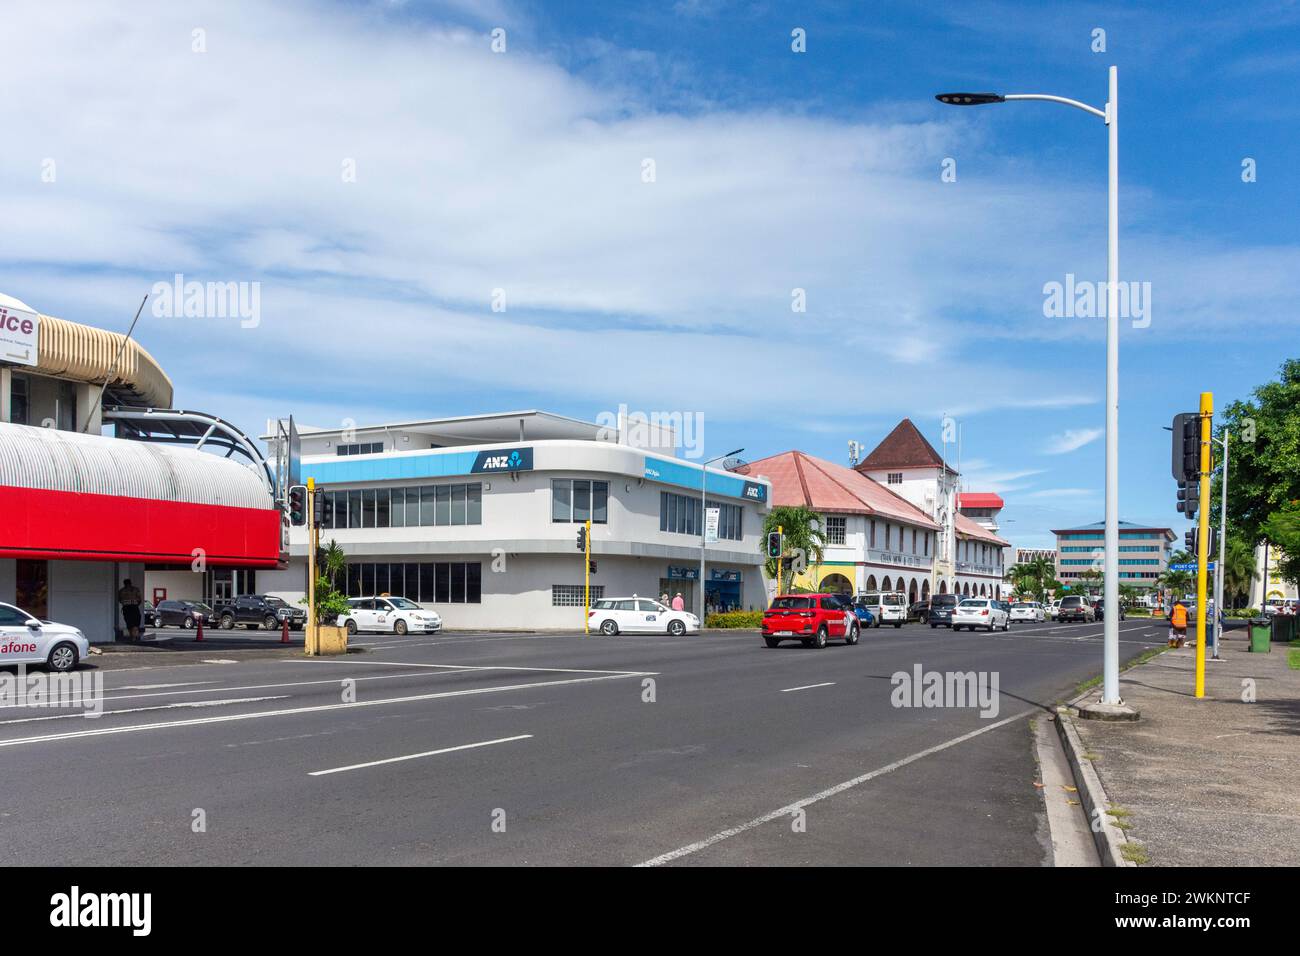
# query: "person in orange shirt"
1178, 625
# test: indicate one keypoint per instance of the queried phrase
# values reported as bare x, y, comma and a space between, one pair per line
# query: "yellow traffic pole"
781, 533
309, 632
1202, 538
586, 585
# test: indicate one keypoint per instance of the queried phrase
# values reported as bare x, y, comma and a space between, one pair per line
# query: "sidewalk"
1212, 782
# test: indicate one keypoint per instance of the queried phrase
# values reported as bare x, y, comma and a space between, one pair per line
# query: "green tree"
1238, 570
803, 537
1283, 530
330, 602
1178, 582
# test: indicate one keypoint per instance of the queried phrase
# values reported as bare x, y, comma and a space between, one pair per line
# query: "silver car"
25, 639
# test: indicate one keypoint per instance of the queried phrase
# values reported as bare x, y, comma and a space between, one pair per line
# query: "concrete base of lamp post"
1100, 711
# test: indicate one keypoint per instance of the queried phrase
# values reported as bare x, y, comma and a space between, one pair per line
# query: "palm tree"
1238, 570
802, 536
1177, 583
330, 562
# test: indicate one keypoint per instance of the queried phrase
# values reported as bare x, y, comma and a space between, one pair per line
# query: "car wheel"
227, 622
608, 628
771, 641
269, 622
898, 624
352, 628
819, 640
187, 622
62, 658
676, 628
852, 636
933, 626
399, 628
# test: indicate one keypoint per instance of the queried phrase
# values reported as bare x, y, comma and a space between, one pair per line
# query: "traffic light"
1188, 498
1189, 540
326, 502
774, 548
298, 505
582, 538
1187, 447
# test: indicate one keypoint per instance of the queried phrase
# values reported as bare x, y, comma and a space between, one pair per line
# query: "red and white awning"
65, 495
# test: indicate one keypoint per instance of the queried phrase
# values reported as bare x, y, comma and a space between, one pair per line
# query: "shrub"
735, 619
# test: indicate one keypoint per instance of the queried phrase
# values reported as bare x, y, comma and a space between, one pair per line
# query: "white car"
641, 615
980, 612
26, 640
389, 615
887, 607
1052, 610
1028, 611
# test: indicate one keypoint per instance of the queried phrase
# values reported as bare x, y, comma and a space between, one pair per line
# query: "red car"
812, 619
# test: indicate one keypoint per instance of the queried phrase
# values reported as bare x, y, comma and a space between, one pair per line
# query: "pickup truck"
259, 610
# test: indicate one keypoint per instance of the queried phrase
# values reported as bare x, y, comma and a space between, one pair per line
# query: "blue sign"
1190, 567
676, 573
505, 459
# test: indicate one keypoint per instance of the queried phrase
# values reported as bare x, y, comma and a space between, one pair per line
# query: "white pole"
704, 520
1223, 545
1110, 683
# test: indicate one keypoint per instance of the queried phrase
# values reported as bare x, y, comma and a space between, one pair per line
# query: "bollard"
284, 632
199, 635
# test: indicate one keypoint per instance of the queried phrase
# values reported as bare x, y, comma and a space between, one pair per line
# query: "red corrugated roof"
904, 447
980, 499
968, 528
802, 480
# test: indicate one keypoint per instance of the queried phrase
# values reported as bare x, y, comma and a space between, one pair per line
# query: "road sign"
1190, 567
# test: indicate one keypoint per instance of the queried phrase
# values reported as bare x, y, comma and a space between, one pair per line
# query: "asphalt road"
548, 749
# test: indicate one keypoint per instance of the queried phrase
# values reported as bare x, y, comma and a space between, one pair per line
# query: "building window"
65, 409
679, 514
422, 506
836, 526
430, 582
872, 543
895, 478
571, 595
362, 448
579, 499
19, 399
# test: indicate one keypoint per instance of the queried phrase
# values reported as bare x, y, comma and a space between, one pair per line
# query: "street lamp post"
1223, 545
1110, 699
704, 519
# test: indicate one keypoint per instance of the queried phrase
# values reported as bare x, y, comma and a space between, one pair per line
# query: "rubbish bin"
1284, 627
1261, 635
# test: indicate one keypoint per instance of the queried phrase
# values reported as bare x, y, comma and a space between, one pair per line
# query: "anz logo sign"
755, 492
509, 459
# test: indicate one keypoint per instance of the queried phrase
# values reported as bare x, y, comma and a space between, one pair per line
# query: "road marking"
788, 690
495, 667
218, 660
316, 709
136, 710
824, 794
427, 753
188, 683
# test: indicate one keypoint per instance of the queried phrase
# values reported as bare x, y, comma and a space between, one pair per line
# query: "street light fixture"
1111, 704
704, 516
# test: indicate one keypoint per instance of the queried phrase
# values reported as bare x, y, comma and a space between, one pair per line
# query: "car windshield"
199, 606
403, 604
943, 600
892, 599
1023, 606
974, 603
791, 603
275, 602
604, 605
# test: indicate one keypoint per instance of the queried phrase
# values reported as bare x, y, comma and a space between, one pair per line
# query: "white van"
887, 607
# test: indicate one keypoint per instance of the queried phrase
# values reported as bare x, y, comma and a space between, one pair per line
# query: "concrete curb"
1108, 837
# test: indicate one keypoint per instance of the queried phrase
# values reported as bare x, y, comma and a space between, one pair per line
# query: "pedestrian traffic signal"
582, 538
1188, 499
774, 548
298, 505
1187, 446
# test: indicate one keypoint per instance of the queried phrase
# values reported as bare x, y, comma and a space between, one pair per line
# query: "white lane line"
188, 683
427, 753
226, 690
492, 667
89, 715
788, 690
824, 794
316, 709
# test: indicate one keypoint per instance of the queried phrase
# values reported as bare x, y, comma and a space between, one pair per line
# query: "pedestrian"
678, 603
1178, 625
129, 597
663, 599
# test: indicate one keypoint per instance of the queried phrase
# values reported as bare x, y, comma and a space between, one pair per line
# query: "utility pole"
1202, 539
1223, 546
586, 581
310, 631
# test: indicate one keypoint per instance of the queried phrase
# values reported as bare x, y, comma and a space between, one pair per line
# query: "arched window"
912, 592
925, 590
884, 585
871, 582
837, 584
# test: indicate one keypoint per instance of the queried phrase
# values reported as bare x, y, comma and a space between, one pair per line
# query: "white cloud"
1072, 439
1061, 493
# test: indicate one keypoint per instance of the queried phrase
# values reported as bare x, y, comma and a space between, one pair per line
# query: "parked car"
1028, 611
1099, 610
640, 615
887, 607
1053, 610
259, 610
863, 614
1075, 608
919, 611
389, 615
185, 614
148, 614
25, 639
941, 608
811, 619
981, 612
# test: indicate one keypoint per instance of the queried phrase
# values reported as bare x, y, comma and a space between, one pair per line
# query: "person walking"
678, 603
1178, 625
129, 597
663, 599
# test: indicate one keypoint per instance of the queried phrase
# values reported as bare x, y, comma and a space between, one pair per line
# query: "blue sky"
522, 171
